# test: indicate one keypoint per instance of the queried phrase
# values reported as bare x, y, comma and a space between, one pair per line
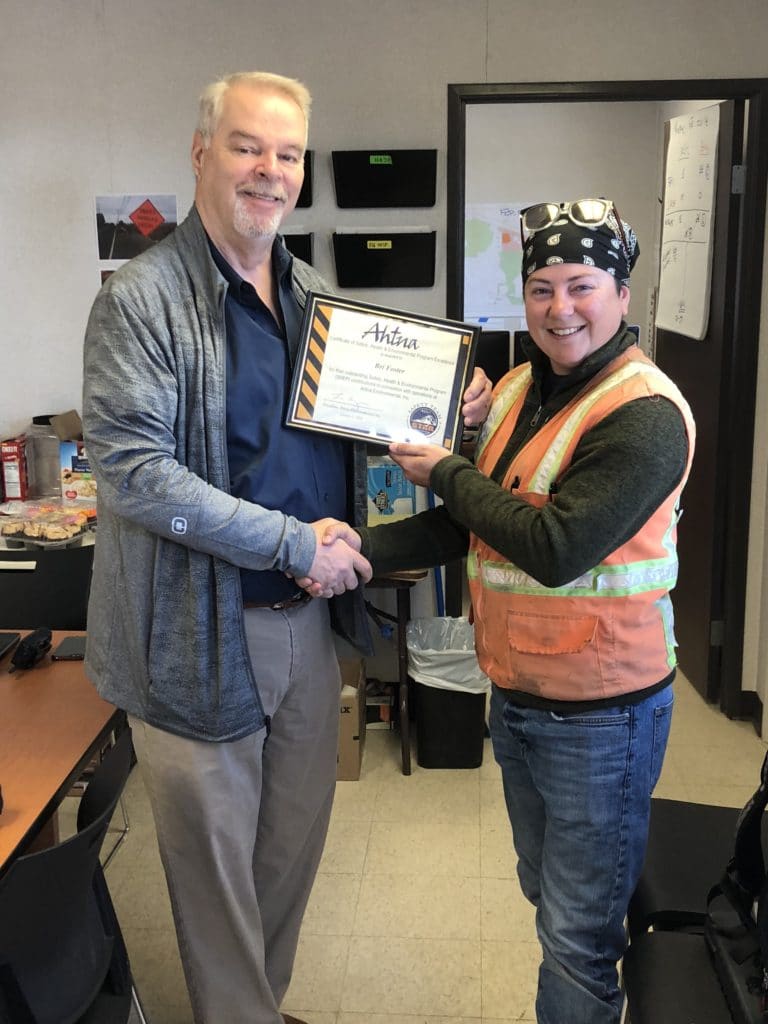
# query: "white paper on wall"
686, 239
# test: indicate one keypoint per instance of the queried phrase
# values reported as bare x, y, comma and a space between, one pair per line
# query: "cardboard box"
68, 426
77, 482
351, 719
15, 469
390, 495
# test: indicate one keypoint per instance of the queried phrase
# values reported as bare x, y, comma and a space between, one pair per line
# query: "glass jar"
44, 459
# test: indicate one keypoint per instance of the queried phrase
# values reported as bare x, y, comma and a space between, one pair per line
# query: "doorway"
730, 461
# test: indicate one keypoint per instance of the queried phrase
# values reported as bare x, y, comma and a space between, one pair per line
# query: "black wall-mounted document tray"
387, 259
305, 196
384, 177
300, 245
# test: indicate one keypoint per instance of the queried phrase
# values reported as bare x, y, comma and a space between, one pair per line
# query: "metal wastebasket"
450, 692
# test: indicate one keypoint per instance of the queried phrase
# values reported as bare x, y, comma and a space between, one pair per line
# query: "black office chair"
45, 587
669, 978
688, 847
669, 975
62, 956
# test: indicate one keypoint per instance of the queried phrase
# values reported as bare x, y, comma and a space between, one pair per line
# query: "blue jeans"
578, 790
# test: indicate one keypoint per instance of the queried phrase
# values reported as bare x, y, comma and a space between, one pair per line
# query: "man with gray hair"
209, 509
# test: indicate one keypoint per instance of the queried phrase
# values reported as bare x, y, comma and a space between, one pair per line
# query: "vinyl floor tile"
733, 763
346, 846
356, 801
497, 854
438, 796
419, 906
319, 974
416, 916
488, 769
317, 1017
434, 848
506, 913
493, 808
671, 783
719, 795
399, 1018
510, 971
332, 905
164, 1013
143, 903
157, 970
409, 976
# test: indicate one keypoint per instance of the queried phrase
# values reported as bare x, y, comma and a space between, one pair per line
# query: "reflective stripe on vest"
510, 392
549, 467
602, 581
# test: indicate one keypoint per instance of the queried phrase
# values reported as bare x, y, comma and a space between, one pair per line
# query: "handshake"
338, 564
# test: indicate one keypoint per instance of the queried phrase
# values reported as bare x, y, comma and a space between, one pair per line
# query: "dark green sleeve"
621, 472
421, 542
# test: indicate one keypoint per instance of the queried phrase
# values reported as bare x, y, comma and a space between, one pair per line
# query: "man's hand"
477, 399
331, 530
338, 564
418, 460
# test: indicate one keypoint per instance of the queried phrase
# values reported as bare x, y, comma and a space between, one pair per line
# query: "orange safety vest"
610, 631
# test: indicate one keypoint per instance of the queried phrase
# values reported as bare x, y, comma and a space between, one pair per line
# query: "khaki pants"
241, 825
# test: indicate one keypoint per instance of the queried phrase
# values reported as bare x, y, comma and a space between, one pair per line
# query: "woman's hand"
418, 460
477, 399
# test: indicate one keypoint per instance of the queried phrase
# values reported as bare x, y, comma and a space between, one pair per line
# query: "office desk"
52, 722
401, 583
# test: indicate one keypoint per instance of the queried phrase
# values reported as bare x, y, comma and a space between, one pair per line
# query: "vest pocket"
550, 634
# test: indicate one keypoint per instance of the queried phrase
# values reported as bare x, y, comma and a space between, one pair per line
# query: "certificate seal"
425, 419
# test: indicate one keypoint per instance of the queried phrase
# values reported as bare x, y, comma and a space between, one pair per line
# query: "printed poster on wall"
130, 223
686, 238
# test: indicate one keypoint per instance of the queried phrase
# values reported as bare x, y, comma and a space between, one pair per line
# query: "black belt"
301, 597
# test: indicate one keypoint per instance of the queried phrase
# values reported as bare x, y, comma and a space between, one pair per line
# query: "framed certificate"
380, 375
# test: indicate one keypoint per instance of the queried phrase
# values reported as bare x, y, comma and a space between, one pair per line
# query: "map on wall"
686, 238
493, 290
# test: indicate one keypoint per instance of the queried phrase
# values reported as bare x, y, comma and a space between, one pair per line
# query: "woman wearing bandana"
568, 516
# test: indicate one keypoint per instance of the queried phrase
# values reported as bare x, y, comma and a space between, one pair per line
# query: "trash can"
450, 692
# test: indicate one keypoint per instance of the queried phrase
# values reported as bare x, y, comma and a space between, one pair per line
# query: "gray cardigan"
165, 620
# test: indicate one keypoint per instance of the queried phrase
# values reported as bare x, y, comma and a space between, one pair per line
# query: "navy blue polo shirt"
299, 472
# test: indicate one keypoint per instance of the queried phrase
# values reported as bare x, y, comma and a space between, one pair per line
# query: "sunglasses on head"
586, 213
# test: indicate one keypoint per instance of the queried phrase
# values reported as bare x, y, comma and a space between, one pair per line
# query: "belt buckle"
301, 597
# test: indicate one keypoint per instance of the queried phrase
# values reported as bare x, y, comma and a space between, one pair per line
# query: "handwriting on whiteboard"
686, 238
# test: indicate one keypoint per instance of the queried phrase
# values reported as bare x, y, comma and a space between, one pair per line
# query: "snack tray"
30, 543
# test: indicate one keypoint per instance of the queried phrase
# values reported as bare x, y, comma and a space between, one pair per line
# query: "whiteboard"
686, 235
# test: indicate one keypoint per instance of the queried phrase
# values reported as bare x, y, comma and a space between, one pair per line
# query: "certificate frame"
376, 374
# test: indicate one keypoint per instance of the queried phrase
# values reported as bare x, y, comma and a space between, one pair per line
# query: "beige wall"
99, 96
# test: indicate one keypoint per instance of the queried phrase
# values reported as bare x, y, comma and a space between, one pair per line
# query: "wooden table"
401, 583
52, 722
